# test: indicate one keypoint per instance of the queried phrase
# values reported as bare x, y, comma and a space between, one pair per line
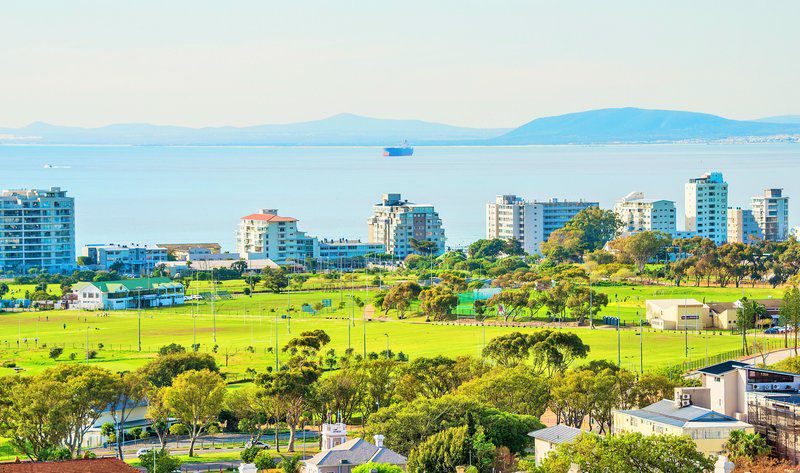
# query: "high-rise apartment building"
742, 226
638, 214
395, 222
771, 211
707, 207
530, 223
267, 235
37, 230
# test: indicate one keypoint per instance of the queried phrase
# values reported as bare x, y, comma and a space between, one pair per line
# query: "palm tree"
741, 445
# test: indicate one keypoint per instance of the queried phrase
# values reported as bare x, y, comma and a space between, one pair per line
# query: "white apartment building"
645, 215
395, 222
127, 259
771, 211
267, 235
707, 207
742, 226
37, 230
530, 223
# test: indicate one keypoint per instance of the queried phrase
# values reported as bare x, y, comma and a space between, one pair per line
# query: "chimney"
379, 440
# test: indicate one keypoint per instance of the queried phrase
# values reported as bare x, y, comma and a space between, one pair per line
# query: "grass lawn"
7, 452
256, 322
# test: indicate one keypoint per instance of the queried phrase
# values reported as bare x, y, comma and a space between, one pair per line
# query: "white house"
128, 294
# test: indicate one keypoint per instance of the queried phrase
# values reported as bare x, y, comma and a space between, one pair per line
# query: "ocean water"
151, 194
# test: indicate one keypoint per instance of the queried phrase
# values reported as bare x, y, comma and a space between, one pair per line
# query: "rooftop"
556, 434
665, 412
268, 218
126, 285
722, 368
356, 451
669, 303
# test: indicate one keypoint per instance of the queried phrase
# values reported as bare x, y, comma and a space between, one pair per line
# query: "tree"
429, 377
195, 400
790, 312
486, 248
33, 415
585, 303
747, 317
158, 414
131, 390
589, 230
441, 452
512, 301
745, 446
291, 464
164, 462
246, 407
274, 280
308, 342
628, 453
239, 266
401, 296
508, 350
3, 289
89, 390
516, 390
294, 389
378, 468
651, 388
171, 348
438, 301
55, 352
423, 247
164, 369
641, 247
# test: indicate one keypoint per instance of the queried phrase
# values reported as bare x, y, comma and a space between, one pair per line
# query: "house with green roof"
128, 294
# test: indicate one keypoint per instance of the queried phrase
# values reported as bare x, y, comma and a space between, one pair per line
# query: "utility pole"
139, 316
641, 344
619, 346
591, 314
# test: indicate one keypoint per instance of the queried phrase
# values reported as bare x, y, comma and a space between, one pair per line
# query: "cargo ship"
403, 150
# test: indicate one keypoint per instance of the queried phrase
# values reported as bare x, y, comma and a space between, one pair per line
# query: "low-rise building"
128, 294
332, 250
340, 455
767, 399
548, 439
130, 259
725, 314
638, 214
677, 314
179, 251
708, 429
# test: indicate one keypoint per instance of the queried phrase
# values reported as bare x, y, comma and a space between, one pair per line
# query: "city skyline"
210, 65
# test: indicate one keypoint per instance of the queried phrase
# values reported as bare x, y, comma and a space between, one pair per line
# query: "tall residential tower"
395, 222
638, 214
37, 230
707, 207
771, 211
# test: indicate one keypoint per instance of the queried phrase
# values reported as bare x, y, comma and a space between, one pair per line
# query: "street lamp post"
139, 316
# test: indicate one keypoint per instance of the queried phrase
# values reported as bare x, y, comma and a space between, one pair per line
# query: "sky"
471, 63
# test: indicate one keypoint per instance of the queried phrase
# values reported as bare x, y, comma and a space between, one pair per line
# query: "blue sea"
150, 194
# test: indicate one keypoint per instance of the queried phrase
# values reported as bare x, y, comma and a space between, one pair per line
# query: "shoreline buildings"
37, 230
639, 214
396, 222
267, 235
126, 259
530, 223
771, 212
707, 207
742, 226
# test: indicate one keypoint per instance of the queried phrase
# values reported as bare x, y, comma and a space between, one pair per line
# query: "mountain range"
612, 125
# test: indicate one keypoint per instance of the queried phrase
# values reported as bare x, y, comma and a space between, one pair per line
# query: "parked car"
258, 443
142, 451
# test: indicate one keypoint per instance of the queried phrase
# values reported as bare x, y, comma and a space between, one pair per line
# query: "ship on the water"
403, 150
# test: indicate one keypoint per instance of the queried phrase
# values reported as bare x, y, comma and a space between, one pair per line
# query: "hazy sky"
477, 63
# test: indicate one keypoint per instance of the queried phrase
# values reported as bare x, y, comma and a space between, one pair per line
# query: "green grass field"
254, 321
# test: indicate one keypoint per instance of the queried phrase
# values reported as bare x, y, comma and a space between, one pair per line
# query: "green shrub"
264, 460
9, 364
178, 429
248, 455
55, 352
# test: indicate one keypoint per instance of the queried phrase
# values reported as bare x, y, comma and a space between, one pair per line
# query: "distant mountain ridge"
611, 125
631, 125
342, 129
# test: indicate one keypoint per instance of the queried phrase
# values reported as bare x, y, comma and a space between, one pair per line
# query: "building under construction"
777, 418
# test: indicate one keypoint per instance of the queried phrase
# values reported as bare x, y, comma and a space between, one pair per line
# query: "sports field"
258, 322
